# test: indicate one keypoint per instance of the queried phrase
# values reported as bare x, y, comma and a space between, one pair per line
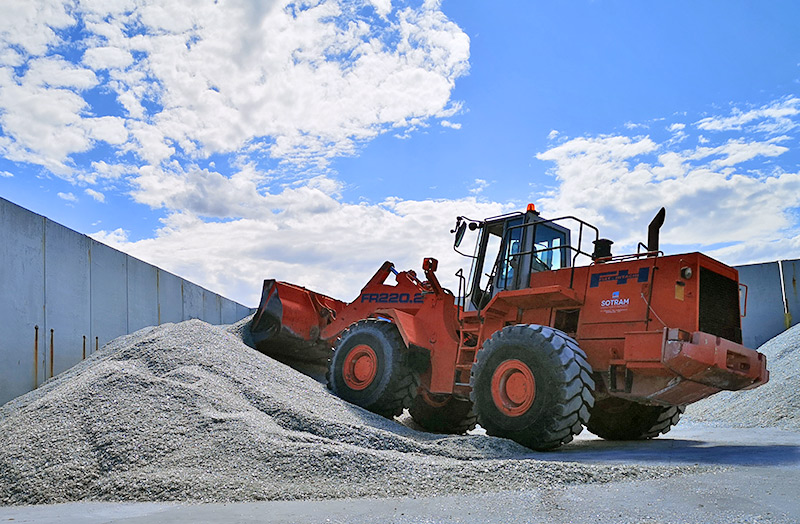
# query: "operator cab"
509, 249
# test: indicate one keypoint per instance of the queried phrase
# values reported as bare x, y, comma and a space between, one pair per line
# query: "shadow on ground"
676, 451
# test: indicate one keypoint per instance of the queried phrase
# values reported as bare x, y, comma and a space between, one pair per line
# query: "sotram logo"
617, 304
615, 301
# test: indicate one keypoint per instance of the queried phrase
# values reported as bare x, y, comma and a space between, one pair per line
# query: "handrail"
581, 223
618, 258
461, 299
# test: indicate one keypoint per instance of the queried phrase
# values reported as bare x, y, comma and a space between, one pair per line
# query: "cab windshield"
510, 250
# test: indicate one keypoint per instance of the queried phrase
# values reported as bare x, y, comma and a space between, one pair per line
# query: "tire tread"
575, 391
399, 393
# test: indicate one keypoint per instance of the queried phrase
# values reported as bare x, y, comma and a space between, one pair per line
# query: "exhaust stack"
653, 230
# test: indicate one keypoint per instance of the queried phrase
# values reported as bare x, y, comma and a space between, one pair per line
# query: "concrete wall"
65, 294
771, 306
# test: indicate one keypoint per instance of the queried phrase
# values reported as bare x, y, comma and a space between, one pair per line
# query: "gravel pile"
775, 404
187, 412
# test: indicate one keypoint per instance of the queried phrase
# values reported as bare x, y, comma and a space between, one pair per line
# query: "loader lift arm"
295, 322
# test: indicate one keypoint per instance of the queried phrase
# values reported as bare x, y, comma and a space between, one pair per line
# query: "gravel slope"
775, 404
187, 412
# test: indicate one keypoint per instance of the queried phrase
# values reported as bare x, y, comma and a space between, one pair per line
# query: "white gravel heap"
187, 412
775, 404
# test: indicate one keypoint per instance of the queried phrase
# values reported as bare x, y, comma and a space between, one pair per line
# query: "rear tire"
615, 418
442, 413
532, 384
369, 368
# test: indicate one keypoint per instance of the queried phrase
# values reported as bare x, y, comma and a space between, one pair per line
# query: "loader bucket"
288, 322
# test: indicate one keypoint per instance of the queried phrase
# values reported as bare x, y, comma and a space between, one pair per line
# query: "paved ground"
758, 482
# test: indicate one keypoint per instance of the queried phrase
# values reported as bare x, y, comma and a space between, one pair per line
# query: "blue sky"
310, 141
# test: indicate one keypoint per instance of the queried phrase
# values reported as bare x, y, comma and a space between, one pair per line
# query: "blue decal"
392, 298
620, 277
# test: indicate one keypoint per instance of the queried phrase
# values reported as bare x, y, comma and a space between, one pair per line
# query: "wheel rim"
513, 387
360, 367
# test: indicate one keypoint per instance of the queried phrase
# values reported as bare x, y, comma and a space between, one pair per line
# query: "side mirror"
461, 227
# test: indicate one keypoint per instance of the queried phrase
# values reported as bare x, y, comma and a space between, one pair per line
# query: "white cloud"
478, 186
726, 196
31, 25
383, 7
451, 125
43, 122
759, 250
117, 238
100, 197
603, 148
6, 174
102, 170
99, 58
617, 184
270, 79
738, 151
69, 197
303, 84
772, 118
10, 57
632, 125
56, 72
209, 194
107, 129
552, 135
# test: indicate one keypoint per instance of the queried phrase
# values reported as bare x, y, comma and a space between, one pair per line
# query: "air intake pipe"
653, 230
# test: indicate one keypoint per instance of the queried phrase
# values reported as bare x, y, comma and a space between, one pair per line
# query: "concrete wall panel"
228, 311
212, 307
109, 292
142, 295
764, 317
67, 297
243, 311
192, 300
22, 298
170, 297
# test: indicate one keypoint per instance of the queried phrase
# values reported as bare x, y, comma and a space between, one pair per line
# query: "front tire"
369, 368
615, 418
532, 384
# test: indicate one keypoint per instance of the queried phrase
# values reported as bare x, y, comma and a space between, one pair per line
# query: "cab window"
548, 247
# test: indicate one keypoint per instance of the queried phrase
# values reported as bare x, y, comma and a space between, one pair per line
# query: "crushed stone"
188, 412
775, 404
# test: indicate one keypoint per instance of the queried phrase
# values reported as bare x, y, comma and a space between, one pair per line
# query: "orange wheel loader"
545, 337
